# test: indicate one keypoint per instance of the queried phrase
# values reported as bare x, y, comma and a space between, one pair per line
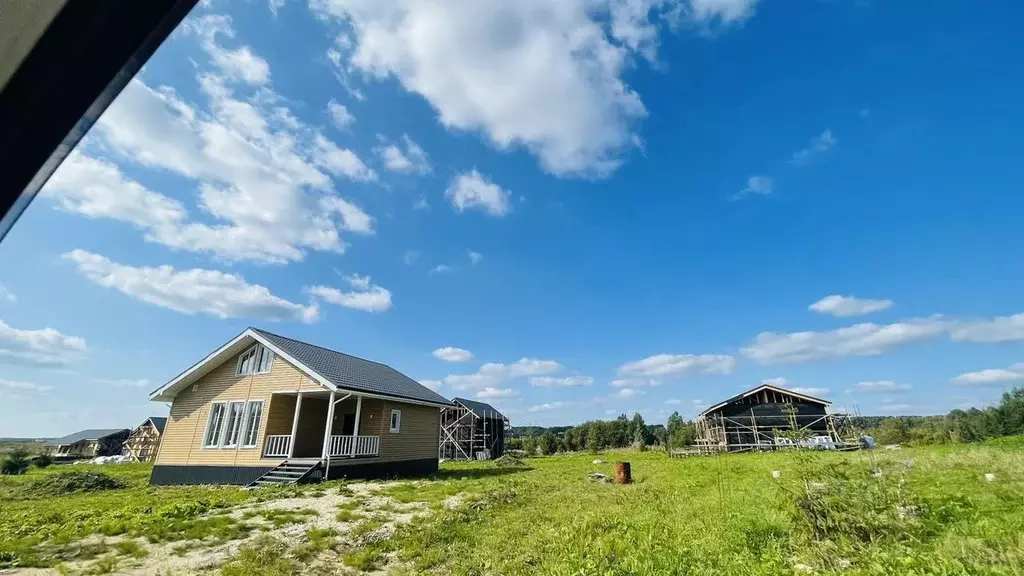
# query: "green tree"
16, 462
593, 437
638, 430
548, 443
530, 446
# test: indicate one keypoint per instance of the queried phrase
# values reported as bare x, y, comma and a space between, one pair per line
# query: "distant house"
264, 408
89, 443
471, 430
142, 444
766, 418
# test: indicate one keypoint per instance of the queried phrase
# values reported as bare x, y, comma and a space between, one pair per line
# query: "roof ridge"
324, 348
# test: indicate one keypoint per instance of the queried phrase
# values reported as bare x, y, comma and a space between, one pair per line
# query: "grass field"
913, 511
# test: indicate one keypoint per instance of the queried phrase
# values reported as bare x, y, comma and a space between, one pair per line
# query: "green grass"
43, 531
724, 515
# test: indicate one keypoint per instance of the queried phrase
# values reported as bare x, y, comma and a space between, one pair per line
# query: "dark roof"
158, 422
741, 395
350, 372
91, 434
480, 409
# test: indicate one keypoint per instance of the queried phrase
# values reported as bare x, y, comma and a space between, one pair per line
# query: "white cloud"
42, 348
491, 392
778, 382
721, 11
810, 391
276, 5
818, 145
635, 382
475, 257
434, 385
412, 161
758, 185
570, 105
21, 386
881, 386
991, 376
239, 64
6, 294
896, 407
191, 291
452, 354
342, 118
676, 365
494, 373
845, 306
364, 295
123, 382
549, 406
440, 269
998, 329
263, 177
865, 339
471, 190
411, 256
555, 382
629, 393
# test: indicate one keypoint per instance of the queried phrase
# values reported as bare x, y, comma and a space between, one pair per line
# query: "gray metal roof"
480, 409
91, 434
350, 372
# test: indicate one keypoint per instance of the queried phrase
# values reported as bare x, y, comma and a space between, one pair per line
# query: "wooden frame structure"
471, 430
143, 442
771, 418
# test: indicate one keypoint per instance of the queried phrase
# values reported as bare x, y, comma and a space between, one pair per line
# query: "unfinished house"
471, 430
142, 444
89, 443
769, 418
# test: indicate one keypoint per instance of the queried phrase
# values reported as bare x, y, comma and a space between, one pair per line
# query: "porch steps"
287, 472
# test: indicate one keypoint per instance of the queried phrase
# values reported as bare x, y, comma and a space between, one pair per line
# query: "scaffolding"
471, 430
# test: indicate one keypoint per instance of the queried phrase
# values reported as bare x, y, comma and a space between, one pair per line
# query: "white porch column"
355, 426
327, 428
295, 425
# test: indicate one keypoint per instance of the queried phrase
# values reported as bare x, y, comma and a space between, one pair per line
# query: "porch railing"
354, 446
277, 446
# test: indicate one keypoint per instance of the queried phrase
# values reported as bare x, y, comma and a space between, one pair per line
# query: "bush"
509, 461
43, 460
61, 483
16, 463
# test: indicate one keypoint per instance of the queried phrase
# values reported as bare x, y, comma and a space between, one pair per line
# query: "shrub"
43, 460
509, 461
16, 463
61, 483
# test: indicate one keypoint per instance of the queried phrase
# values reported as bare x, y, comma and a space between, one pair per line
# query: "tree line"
973, 425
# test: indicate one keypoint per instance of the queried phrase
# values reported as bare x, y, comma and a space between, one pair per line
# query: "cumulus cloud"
364, 295
440, 269
818, 145
629, 393
564, 382
492, 392
677, 365
723, 12
998, 329
22, 386
810, 390
881, 386
452, 354
342, 118
191, 291
991, 376
434, 385
757, 185
472, 191
865, 339
635, 382
845, 306
39, 348
412, 160
239, 64
549, 406
494, 373
475, 257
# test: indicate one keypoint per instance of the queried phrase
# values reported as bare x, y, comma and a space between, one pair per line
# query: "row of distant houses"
139, 445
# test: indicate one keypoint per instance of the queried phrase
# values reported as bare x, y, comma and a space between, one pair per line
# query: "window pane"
215, 426
252, 425
266, 360
234, 423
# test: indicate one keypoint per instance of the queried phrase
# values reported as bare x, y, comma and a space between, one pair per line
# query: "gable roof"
331, 369
757, 389
90, 434
158, 422
479, 409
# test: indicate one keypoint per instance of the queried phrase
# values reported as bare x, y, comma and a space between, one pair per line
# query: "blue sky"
570, 210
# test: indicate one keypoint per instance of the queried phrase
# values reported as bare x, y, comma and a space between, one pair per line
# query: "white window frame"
230, 421
216, 442
257, 354
245, 425
395, 424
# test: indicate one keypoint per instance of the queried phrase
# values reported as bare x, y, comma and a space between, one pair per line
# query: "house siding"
190, 411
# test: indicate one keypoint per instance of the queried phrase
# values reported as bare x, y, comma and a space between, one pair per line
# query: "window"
252, 423
215, 425
396, 420
234, 424
255, 360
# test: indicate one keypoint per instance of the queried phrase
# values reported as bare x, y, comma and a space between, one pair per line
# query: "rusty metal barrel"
623, 474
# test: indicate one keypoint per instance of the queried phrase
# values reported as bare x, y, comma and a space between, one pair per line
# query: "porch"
321, 425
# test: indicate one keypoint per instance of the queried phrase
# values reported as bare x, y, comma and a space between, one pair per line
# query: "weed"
266, 556
364, 559
63, 483
345, 515
131, 548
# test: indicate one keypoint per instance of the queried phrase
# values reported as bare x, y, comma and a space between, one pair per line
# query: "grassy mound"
62, 483
509, 461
